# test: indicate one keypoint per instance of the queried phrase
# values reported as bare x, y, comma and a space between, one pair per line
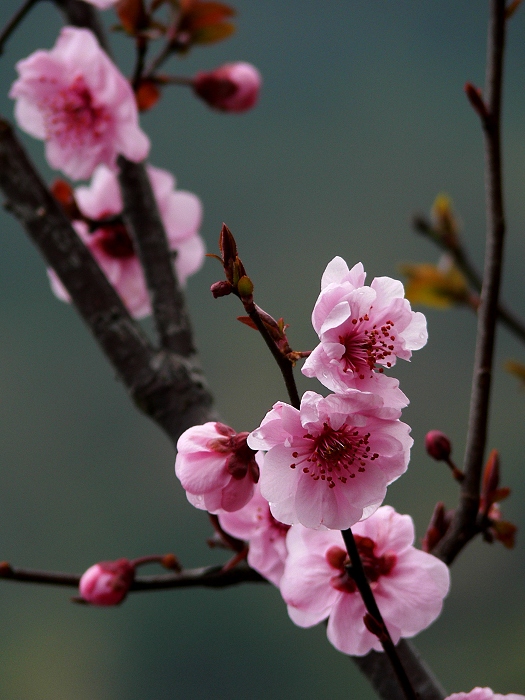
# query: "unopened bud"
245, 287
438, 445
233, 87
221, 289
107, 583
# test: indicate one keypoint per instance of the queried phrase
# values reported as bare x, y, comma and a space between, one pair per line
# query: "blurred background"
362, 121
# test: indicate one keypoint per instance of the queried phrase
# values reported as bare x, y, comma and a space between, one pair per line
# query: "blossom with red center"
111, 244
267, 536
216, 467
408, 585
329, 463
76, 100
362, 330
233, 87
484, 694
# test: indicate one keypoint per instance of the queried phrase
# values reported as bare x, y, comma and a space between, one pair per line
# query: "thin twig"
208, 577
359, 576
463, 263
283, 362
464, 526
15, 20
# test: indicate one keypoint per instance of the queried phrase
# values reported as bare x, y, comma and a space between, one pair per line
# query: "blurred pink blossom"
102, 4
107, 583
111, 244
233, 87
216, 467
76, 100
408, 585
329, 464
484, 694
266, 535
362, 330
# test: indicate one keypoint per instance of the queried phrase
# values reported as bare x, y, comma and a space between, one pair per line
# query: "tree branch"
167, 387
463, 263
142, 216
463, 526
208, 577
81, 14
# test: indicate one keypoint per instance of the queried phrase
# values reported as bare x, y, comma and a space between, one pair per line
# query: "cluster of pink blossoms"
325, 466
111, 244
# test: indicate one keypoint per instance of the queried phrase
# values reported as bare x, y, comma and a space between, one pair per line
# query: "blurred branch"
167, 387
81, 14
15, 20
463, 263
464, 526
142, 216
208, 577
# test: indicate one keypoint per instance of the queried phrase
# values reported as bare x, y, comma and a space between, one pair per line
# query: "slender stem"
464, 525
159, 59
361, 581
15, 20
142, 49
173, 80
284, 363
209, 577
463, 263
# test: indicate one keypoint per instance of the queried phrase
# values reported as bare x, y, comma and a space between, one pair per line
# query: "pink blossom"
233, 87
111, 244
362, 330
409, 585
329, 464
216, 467
484, 694
266, 536
76, 100
107, 583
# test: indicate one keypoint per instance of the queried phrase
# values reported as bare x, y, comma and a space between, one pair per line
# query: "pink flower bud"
438, 445
233, 87
107, 583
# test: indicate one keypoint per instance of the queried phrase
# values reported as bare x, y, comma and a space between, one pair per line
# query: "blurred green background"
361, 122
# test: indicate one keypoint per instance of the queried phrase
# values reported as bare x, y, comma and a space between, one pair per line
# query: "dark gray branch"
81, 14
377, 668
168, 388
142, 216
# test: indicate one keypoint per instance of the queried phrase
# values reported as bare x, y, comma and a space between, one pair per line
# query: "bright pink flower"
362, 330
267, 536
329, 464
409, 585
111, 244
76, 100
233, 87
216, 467
484, 694
107, 583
